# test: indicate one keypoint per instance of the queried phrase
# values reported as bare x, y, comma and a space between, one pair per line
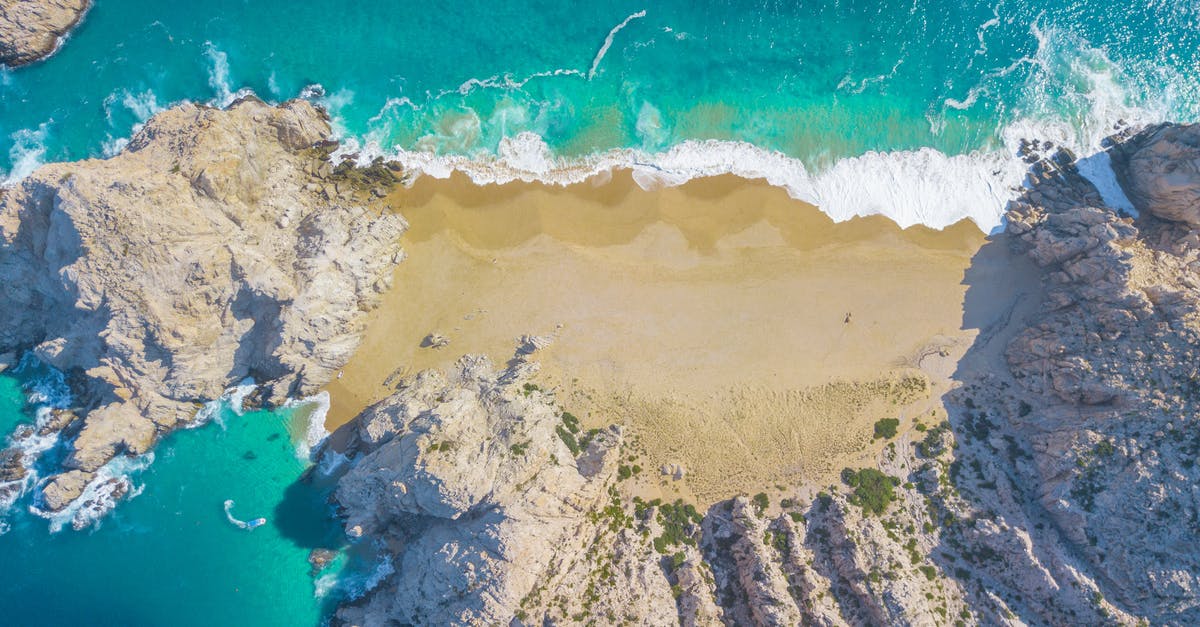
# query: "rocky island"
32, 30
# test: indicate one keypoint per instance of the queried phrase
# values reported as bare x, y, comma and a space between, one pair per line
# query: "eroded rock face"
30, 30
1160, 171
1060, 489
1109, 370
466, 482
218, 245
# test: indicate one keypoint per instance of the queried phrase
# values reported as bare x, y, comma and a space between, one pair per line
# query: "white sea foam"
608, 41
219, 77
317, 407
353, 585
234, 398
27, 153
249, 525
112, 484
910, 187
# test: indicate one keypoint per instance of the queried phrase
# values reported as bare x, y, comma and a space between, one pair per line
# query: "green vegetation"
1088, 483
519, 449
440, 447
571, 433
761, 502
873, 490
568, 438
676, 520
886, 428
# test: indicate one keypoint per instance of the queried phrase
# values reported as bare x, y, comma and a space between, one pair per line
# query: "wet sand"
736, 331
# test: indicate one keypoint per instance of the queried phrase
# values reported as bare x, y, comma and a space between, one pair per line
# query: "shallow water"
169, 555
822, 82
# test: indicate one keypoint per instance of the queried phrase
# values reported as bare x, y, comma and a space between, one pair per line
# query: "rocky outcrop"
1060, 490
470, 493
219, 245
1108, 369
1160, 171
31, 30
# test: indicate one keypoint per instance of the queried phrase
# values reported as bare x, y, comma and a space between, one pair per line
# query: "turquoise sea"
910, 109
849, 91
170, 555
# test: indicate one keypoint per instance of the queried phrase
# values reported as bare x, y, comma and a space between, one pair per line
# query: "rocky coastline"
33, 30
220, 245
1059, 490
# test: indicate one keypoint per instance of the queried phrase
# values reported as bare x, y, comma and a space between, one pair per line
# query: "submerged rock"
201, 255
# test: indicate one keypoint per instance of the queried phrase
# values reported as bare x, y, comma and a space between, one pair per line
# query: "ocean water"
909, 109
170, 555
912, 110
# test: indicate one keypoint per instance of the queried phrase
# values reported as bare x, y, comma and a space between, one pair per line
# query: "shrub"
873, 490
569, 440
886, 428
761, 502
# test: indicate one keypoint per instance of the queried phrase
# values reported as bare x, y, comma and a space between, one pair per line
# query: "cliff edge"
219, 245
31, 30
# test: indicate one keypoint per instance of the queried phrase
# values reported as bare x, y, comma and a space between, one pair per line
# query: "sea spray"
112, 484
308, 423
27, 153
248, 525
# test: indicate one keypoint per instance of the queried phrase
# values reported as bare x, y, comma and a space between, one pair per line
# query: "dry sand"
710, 318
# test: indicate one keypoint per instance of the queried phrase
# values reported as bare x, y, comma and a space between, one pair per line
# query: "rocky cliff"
219, 245
1060, 490
30, 30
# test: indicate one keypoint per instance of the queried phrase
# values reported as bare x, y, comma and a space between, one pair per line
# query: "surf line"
242, 524
608, 42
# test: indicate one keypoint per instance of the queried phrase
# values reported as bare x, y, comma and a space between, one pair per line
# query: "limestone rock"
161, 277
1159, 169
31, 30
466, 478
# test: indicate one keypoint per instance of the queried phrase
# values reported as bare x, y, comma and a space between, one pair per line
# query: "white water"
608, 41
314, 430
242, 524
113, 483
28, 152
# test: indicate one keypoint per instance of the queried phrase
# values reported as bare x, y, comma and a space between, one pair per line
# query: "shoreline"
763, 351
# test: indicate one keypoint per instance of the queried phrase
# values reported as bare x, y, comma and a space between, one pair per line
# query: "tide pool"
169, 556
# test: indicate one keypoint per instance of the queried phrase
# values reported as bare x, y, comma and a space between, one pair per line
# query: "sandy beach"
736, 331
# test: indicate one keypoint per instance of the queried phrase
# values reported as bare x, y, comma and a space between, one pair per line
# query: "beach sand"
736, 331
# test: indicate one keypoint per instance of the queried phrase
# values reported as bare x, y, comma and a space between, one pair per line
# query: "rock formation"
1160, 171
1061, 489
219, 245
30, 30
470, 493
